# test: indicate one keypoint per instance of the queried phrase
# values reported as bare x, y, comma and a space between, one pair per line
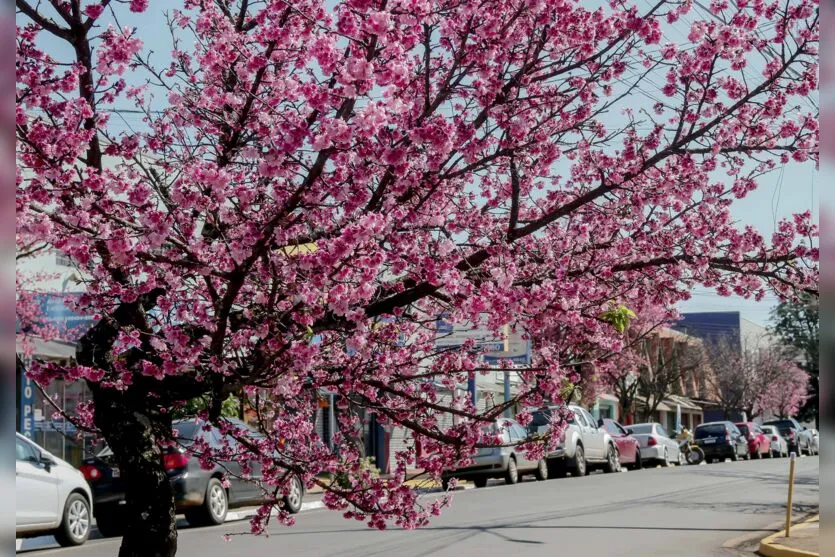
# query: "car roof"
723, 422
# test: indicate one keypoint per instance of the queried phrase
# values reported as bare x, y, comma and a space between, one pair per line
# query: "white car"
583, 444
52, 496
656, 444
779, 445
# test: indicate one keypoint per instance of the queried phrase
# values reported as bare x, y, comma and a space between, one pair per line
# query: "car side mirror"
629, 431
600, 422
46, 462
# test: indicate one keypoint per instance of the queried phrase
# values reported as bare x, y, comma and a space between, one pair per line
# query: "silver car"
779, 445
504, 461
583, 444
656, 444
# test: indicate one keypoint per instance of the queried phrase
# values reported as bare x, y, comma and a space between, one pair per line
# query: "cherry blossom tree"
757, 379
313, 185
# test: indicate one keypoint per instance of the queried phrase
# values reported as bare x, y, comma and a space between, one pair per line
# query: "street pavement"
690, 511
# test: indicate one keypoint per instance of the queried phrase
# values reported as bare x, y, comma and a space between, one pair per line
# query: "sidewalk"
802, 543
420, 482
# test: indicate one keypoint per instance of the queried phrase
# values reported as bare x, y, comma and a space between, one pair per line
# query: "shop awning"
47, 350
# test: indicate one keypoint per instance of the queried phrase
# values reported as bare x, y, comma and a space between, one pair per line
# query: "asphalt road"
690, 511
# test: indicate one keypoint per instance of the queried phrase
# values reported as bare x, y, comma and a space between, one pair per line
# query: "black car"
721, 440
199, 493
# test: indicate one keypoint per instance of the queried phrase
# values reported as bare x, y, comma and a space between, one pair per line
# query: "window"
661, 431
24, 451
62, 260
642, 429
709, 430
581, 419
619, 428
606, 412
517, 434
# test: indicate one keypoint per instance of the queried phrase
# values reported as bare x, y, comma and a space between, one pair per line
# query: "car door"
35, 487
239, 490
671, 444
592, 438
627, 445
518, 435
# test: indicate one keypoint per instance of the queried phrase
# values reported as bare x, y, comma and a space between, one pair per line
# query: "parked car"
629, 449
815, 441
798, 437
582, 446
52, 496
779, 445
503, 461
721, 440
198, 493
656, 444
758, 443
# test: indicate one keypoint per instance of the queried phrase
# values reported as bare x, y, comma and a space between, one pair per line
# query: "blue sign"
27, 406
53, 311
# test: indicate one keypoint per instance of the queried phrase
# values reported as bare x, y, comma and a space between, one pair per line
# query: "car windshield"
641, 428
743, 429
710, 430
541, 418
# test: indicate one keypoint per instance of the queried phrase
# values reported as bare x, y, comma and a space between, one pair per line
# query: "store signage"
27, 407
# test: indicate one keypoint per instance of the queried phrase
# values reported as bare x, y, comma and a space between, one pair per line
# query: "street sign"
453, 335
27, 406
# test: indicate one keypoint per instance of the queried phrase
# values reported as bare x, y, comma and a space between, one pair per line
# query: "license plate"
114, 472
710, 441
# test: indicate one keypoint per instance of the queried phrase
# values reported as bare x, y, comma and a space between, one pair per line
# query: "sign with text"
27, 407
453, 335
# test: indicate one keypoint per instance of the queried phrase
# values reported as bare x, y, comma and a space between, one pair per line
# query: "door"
36, 489
671, 444
628, 446
592, 437
239, 489
518, 435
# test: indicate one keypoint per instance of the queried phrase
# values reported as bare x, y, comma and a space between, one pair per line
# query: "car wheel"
293, 499
639, 463
759, 454
580, 465
612, 461
511, 476
734, 455
110, 522
75, 522
214, 509
480, 481
541, 473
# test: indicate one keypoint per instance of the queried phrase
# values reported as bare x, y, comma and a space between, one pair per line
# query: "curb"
770, 549
243, 514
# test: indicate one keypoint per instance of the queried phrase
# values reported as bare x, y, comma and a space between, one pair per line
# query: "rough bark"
134, 434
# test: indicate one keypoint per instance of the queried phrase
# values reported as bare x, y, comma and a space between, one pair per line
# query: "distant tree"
797, 324
756, 380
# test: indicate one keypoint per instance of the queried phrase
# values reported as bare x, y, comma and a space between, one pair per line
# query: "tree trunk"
133, 435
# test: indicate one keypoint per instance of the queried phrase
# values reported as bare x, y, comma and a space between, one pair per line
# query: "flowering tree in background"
757, 379
313, 186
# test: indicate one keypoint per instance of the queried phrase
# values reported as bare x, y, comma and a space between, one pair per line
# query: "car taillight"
90, 472
728, 436
652, 441
173, 461
791, 434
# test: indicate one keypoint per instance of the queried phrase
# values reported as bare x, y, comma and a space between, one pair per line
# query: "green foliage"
230, 408
619, 317
366, 464
797, 325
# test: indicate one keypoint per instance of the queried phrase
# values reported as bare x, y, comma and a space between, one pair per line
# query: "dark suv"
721, 440
199, 493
